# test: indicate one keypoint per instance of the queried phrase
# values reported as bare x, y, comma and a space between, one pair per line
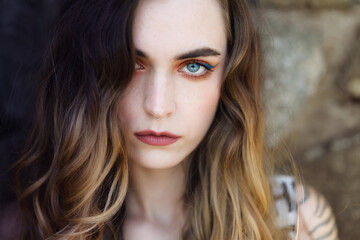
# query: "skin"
184, 103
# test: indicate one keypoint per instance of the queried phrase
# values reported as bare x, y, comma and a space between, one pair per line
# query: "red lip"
156, 138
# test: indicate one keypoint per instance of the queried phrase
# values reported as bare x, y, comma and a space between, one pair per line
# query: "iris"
193, 67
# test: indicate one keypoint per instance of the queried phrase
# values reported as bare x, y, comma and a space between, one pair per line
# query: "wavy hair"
76, 154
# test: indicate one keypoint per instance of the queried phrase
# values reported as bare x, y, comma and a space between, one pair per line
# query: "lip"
157, 138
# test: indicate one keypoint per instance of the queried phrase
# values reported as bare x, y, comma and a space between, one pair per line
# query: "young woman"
149, 126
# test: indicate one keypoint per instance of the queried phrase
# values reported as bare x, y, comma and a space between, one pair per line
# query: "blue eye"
197, 68
193, 67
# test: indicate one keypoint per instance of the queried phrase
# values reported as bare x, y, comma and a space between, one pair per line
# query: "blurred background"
312, 96
312, 90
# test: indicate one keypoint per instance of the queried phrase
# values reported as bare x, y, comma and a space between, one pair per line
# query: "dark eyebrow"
140, 53
201, 52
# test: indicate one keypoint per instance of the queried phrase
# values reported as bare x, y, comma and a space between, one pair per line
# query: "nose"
159, 99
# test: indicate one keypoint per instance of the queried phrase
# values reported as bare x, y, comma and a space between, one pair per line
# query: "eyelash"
208, 69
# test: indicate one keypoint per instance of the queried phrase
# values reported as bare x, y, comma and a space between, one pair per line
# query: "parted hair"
73, 175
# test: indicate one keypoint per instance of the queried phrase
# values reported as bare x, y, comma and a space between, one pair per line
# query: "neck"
156, 195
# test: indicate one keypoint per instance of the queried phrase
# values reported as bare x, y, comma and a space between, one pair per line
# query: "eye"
196, 69
138, 66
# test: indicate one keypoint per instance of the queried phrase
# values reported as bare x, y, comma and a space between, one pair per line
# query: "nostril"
156, 118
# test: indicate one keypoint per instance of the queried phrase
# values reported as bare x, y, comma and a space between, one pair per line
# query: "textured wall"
309, 3
312, 91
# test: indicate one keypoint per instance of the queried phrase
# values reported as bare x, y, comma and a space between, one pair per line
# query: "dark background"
24, 34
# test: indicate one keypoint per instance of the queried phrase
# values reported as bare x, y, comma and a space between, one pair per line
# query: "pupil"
193, 67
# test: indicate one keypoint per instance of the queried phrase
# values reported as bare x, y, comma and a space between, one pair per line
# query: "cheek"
124, 113
127, 107
205, 102
204, 95
200, 106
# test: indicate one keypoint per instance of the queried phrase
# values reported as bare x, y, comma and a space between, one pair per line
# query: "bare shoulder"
10, 220
316, 218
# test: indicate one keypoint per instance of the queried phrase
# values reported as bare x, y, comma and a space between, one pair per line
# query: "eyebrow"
201, 52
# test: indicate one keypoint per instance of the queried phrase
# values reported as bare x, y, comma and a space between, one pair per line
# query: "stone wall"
309, 3
312, 95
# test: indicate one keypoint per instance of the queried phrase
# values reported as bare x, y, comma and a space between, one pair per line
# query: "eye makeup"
205, 68
193, 68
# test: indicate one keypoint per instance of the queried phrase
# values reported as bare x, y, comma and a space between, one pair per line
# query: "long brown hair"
76, 151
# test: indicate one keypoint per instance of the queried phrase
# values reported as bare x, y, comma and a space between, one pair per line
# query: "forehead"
170, 27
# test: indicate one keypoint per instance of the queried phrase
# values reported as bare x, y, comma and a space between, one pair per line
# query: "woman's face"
172, 98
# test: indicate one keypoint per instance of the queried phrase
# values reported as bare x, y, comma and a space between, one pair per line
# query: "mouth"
157, 138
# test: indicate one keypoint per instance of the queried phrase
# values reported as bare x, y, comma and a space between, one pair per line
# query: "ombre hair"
76, 154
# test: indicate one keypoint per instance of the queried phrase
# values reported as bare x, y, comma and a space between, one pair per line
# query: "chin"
157, 160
